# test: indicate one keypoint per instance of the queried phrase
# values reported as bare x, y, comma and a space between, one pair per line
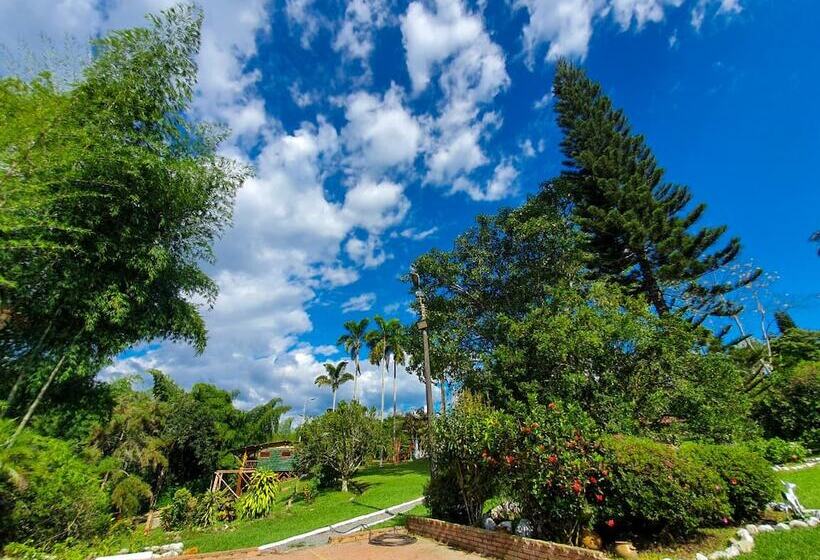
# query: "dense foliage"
789, 408
652, 490
468, 446
748, 478
335, 445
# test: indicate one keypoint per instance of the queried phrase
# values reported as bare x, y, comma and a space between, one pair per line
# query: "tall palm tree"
396, 343
378, 342
353, 340
335, 377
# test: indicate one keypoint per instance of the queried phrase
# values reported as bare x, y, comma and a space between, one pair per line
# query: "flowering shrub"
468, 458
554, 470
653, 490
747, 477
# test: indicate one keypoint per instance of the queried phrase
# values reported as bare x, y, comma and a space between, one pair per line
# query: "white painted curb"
334, 527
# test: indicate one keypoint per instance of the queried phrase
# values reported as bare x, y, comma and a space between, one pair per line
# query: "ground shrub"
213, 507
47, 492
779, 451
468, 450
180, 512
553, 469
747, 477
653, 491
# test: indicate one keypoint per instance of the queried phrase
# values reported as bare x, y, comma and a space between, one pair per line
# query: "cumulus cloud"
380, 132
376, 206
361, 19
367, 252
500, 185
363, 302
567, 25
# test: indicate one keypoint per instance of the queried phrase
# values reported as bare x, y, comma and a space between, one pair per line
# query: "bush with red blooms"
654, 490
553, 468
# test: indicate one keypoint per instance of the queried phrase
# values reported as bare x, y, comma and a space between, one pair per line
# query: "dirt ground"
422, 549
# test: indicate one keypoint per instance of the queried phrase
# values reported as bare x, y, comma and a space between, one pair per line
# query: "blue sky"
380, 129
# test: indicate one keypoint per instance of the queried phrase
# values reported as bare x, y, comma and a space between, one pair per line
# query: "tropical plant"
260, 495
353, 341
213, 507
334, 378
378, 341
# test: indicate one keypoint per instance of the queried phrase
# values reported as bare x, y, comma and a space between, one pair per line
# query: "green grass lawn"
800, 544
379, 488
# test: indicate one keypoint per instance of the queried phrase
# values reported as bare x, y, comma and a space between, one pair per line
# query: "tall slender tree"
353, 341
378, 341
334, 377
397, 345
639, 225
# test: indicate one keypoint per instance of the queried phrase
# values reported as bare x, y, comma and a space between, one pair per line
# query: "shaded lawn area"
379, 488
800, 544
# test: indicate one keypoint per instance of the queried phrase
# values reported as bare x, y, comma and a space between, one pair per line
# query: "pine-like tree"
638, 224
784, 321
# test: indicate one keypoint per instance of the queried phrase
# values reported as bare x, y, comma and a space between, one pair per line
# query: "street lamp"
422, 326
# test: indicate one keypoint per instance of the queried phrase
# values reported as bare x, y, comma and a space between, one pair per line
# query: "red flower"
593, 480
553, 459
733, 481
599, 498
576, 486
610, 523
510, 460
551, 406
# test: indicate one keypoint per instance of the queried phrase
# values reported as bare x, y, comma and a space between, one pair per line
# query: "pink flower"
576, 486
610, 523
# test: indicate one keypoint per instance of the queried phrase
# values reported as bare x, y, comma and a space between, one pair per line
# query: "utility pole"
304, 412
422, 326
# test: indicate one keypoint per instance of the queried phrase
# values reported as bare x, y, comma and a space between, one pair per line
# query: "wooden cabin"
276, 456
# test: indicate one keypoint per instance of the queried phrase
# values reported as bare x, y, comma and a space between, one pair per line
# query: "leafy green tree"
138, 192
353, 341
334, 377
639, 228
339, 442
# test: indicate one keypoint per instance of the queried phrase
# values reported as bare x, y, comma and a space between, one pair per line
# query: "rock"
812, 522
719, 555
798, 524
752, 528
764, 528
744, 545
489, 524
781, 527
700, 556
744, 534
732, 551
506, 526
524, 528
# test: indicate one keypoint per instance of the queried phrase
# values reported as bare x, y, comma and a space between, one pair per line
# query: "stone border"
745, 541
496, 543
807, 464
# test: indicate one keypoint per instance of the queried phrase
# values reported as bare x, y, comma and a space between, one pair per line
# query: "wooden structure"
276, 456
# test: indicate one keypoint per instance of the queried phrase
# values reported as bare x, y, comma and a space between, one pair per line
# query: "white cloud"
301, 14
543, 101
501, 185
567, 25
363, 302
380, 132
416, 235
301, 98
367, 252
376, 206
460, 153
361, 19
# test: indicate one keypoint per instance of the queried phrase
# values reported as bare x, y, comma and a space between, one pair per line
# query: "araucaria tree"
353, 341
639, 225
137, 194
335, 377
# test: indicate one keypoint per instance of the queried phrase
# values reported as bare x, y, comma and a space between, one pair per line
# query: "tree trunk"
35, 403
334, 399
395, 393
356, 380
650, 285
19, 381
344, 484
